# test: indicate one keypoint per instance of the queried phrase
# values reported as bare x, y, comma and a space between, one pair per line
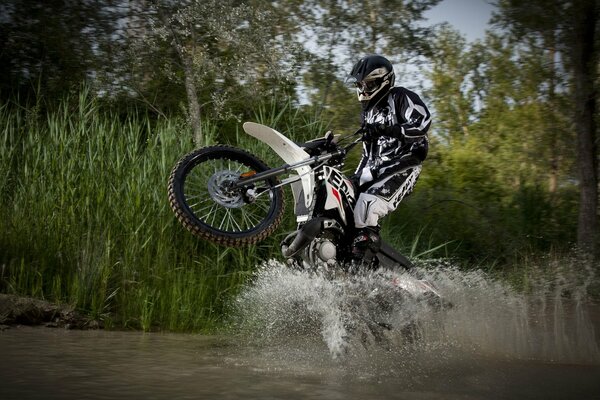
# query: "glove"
372, 132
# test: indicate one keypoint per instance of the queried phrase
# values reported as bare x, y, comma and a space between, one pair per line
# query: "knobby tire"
185, 215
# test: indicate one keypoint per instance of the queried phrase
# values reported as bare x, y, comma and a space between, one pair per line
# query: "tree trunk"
192, 97
185, 55
585, 104
550, 130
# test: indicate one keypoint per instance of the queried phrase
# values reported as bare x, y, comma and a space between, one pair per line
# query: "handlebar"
350, 146
340, 152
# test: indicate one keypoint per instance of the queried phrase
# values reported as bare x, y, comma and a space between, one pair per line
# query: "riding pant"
383, 196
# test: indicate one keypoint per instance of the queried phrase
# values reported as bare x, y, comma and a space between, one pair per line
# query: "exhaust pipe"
306, 234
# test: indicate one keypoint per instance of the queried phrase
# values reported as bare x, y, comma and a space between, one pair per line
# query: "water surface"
43, 363
296, 335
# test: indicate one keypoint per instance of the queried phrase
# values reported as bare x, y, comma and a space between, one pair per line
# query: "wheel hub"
220, 190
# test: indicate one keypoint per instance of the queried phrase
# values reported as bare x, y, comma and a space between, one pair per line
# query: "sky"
470, 17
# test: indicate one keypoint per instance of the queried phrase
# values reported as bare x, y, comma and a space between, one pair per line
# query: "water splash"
550, 321
389, 311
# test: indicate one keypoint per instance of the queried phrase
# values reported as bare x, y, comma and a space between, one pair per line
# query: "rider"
395, 122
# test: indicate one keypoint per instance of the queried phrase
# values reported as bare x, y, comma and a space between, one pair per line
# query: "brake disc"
219, 189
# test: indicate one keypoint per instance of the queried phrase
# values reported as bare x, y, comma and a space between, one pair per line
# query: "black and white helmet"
373, 77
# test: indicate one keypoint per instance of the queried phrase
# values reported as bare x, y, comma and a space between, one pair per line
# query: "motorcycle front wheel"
204, 202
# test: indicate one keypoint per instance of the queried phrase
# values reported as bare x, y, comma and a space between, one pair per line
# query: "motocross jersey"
404, 142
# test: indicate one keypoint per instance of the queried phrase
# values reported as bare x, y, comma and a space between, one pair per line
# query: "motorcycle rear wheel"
205, 205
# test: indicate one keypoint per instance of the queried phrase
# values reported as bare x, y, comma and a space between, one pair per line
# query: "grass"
84, 220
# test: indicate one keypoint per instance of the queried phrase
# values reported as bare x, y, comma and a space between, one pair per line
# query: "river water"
295, 335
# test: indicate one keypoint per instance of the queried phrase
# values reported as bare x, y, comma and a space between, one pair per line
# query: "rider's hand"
372, 131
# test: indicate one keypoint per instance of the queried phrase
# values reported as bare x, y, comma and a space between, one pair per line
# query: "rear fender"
390, 258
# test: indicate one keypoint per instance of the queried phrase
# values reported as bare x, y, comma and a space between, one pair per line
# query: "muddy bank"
15, 310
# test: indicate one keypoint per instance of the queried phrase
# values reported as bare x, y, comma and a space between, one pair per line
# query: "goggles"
368, 85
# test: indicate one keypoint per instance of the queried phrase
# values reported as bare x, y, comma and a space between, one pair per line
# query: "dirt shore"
15, 310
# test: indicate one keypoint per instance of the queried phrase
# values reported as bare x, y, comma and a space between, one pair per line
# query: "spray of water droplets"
392, 312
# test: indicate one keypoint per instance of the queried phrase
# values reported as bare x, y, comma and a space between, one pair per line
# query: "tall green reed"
84, 219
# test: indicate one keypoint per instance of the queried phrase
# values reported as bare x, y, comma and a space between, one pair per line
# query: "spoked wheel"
204, 201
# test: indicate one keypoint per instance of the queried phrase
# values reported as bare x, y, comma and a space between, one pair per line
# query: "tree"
217, 49
500, 141
451, 91
571, 28
51, 46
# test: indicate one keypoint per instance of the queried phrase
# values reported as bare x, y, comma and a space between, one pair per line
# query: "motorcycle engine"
321, 249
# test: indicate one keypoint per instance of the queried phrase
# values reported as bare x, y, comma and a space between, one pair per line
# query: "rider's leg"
379, 199
366, 244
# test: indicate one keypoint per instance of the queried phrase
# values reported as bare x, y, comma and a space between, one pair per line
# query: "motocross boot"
365, 246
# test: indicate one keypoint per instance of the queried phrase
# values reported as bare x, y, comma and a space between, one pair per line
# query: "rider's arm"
414, 118
414, 121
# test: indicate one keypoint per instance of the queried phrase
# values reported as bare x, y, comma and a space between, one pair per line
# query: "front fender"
289, 151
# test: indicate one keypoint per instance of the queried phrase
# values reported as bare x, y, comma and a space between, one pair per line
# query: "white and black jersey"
407, 121
391, 164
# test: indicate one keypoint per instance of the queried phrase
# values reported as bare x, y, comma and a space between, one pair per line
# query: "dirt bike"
228, 196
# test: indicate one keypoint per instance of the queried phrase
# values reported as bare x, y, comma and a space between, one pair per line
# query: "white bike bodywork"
289, 151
